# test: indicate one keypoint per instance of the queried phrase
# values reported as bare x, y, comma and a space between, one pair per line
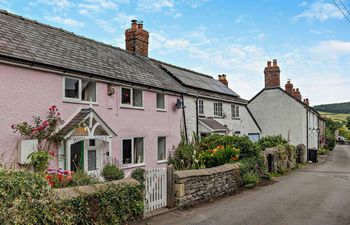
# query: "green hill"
335, 108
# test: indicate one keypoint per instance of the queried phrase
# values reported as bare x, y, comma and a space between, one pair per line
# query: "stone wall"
195, 186
280, 159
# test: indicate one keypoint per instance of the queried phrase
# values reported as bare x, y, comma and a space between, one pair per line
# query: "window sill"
161, 110
201, 115
78, 102
218, 117
131, 107
162, 161
236, 118
130, 166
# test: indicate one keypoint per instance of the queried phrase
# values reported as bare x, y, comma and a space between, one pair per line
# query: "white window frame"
164, 98
199, 108
166, 152
77, 100
216, 109
235, 111
130, 165
131, 105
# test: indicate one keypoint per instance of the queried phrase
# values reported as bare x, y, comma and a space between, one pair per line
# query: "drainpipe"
307, 134
197, 116
184, 116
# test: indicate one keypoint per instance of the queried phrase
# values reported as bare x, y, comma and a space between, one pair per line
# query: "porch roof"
77, 119
213, 125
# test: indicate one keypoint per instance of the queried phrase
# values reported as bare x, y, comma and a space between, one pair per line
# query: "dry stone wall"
280, 159
195, 186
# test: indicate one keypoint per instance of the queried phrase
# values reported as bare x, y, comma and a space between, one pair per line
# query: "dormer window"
77, 89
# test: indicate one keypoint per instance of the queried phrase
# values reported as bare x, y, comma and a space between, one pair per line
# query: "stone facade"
279, 159
195, 186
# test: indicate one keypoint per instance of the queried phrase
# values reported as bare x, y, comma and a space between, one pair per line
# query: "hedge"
26, 198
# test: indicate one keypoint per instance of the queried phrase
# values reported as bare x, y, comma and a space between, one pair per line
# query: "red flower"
234, 158
45, 123
59, 176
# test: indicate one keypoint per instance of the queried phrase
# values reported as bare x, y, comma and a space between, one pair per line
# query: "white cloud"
177, 15
63, 4
124, 20
96, 6
66, 21
320, 11
154, 5
331, 49
241, 19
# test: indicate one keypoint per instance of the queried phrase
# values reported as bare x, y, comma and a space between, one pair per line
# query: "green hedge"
27, 199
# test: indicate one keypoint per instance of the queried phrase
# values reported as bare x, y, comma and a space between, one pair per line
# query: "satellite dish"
178, 104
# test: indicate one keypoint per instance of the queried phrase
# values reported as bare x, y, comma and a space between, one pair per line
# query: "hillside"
335, 108
341, 117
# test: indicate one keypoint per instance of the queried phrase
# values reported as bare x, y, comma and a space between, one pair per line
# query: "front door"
77, 156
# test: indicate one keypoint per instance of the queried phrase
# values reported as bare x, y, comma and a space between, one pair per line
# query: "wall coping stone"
74, 192
206, 172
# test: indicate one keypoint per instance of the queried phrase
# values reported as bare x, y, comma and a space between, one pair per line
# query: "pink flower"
45, 123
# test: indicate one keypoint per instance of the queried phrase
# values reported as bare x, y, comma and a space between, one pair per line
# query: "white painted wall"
245, 123
278, 113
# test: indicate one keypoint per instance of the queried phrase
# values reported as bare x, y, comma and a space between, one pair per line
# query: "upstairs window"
218, 109
160, 101
200, 107
79, 89
132, 97
235, 111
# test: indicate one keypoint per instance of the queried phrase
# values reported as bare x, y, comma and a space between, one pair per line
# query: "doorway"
77, 156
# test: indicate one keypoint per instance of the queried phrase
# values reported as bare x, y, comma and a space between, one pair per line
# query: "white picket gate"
156, 189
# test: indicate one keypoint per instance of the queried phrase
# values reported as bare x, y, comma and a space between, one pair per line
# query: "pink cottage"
123, 104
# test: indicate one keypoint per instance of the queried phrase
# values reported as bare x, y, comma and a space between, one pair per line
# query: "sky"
310, 39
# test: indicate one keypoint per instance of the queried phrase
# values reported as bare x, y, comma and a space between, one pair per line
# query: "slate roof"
201, 92
213, 124
29, 40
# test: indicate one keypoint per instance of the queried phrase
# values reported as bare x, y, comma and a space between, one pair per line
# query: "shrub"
80, 177
183, 157
247, 147
40, 160
59, 178
112, 172
139, 175
330, 140
323, 151
250, 179
26, 199
271, 141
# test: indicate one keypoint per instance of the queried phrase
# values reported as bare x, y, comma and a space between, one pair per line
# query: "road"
314, 195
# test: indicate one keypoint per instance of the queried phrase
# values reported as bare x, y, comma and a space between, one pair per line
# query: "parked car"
340, 140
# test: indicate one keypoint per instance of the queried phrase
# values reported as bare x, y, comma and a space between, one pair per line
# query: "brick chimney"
289, 87
136, 38
297, 94
272, 74
306, 101
222, 79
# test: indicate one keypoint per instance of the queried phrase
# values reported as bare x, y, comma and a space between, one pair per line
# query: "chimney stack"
222, 79
289, 87
306, 101
136, 38
272, 74
297, 94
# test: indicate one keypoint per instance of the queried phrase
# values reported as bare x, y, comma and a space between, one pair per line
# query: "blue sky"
310, 39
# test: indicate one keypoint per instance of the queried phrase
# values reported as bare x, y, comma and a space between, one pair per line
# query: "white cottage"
282, 112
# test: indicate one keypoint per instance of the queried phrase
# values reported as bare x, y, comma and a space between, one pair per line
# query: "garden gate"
155, 189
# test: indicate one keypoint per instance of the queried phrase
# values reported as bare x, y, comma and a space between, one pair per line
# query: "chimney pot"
274, 62
222, 79
268, 63
140, 24
289, 87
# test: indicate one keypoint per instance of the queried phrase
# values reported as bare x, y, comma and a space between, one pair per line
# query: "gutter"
197, 116
184, 116
307, 134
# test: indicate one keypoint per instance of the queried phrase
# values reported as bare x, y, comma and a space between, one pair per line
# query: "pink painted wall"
26, 92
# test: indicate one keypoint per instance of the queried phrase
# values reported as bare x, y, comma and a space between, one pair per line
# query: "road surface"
315, 195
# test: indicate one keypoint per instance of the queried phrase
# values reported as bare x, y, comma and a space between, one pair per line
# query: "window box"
79, 90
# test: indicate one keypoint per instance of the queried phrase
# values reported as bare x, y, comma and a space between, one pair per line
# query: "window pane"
127, 151
92, 142
91, 160
200, 107
160, 101
137, 98
126, 96
237, 111
88, 90
138, 150
71, 88
219, 109
161, 148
